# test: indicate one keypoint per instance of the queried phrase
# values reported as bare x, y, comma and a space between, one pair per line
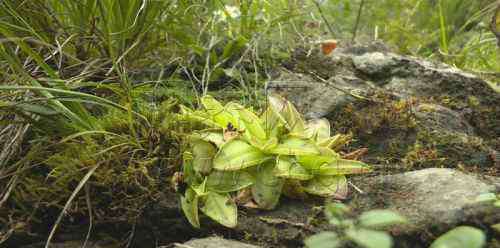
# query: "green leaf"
369, 238
237, 154
318, 129
287, 113
496, 227
221, 208
189, 205
314, 162
216, 138
197, 116
203, 154
295, 146
335, 142
271, 122
267, 188
462, 236
323, 240
252, 124
342, 167
220, 114
229, 181
287, 167
328, 186
380, 218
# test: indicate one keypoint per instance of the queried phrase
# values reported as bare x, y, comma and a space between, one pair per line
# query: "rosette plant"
238, 156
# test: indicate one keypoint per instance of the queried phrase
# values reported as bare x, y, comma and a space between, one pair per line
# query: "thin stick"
68, 203
493, 24
89, 206
358, 18
330, 28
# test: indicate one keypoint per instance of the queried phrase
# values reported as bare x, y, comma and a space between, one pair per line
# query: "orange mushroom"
327, 46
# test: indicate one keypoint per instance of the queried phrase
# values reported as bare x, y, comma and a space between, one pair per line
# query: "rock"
214, 242
433, 200
408, 111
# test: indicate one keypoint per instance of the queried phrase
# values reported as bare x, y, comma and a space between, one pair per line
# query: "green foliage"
365, 231
238, 151
462, 236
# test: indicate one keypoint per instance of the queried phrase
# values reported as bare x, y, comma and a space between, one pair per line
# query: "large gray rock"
405, 110
214, 242
432, 199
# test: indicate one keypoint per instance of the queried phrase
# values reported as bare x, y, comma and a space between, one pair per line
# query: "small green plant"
462, 236
364, 230
238, 155
495, 199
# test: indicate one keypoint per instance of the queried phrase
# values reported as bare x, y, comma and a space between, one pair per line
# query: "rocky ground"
432, 134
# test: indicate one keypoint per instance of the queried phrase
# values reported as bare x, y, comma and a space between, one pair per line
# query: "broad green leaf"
197, 116
327, 186
295, 146
323, 240
267, 188
287, 113
318, 129
314, 162
294, 119
252, 124
228, 181
216, 138
336, 210
221, 208
203, 154
218, 113
237, 154
370, 238
380, 218
462, 236
189, 205
336, 142
342, 167
271, 122
287, 167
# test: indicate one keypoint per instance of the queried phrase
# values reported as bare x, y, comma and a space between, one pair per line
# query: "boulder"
434, 200
214, 242
407, 111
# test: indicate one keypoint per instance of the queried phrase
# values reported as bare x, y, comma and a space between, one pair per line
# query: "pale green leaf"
216, 138
267, 188
237, 154
380, 218
462, 236
370, 238
318, 129
203, 154
295, 146
287, 167
220, 114
221, 208
252, 124
189, 205
287, 113
229, 181
328, 186
323, 240
197, 116
342, 167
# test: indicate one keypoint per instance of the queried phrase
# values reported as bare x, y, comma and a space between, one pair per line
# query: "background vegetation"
89, 89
